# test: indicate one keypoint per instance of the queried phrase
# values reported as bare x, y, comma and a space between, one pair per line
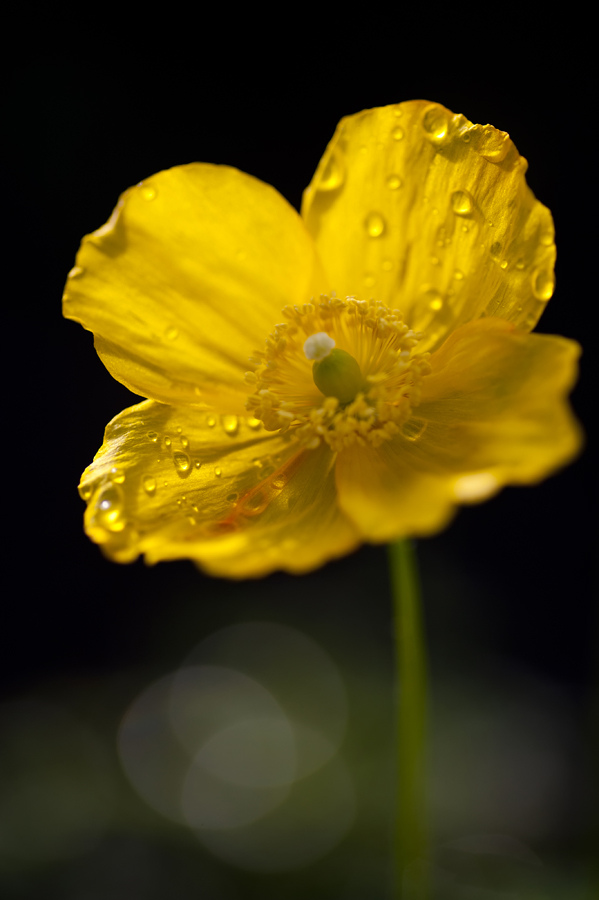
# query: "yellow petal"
175, 483
493, 412
496, 400
424, 211
187, 279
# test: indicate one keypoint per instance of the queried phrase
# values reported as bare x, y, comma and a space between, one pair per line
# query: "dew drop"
466, 137
462, 203
185, 443
520, 264
76, 272
171, 333
435, 123
211, 421
153, 436
543, 284
218, 471
117, 476
197, 463
181, 461
503, 264
369, 280
110, 513
495, 249
458, 275
167, 442
85, 492
231, 498
332, 176
435, 301
398, 133
254, 423
149, 484
546, 239
230, 425
375, 224
147, 191
413, 429
393, 182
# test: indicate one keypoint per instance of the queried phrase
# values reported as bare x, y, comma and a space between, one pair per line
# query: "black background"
509, 578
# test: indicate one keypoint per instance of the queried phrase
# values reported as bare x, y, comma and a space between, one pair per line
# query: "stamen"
364, 363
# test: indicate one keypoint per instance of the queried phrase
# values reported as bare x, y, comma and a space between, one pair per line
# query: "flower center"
338, 371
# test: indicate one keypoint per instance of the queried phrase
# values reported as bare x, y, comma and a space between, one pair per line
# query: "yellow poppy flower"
316, 381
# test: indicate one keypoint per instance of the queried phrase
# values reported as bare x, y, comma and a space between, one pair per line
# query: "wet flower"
315, 382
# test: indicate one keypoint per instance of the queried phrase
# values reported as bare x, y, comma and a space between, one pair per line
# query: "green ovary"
338, 375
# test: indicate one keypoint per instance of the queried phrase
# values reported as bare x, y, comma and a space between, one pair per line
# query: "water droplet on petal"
181, 461
393, 182
231, 498
197, 463
171, 333
495, 249
458, 275
543, 284
110, 513
76, 272
167, 442
147, 191
254, 423
434, 123
153, 436
85, 492
230, 425
185, 443
149, 484
211, 421
546, 238
462, 203
413, 429
375, 224
397, 133
116, 475
520, 264
332, 176
503, 264
218, 471
369, 280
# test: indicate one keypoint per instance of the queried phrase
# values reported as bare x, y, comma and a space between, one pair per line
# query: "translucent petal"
187, 279
430, 214
493, 412
176, 483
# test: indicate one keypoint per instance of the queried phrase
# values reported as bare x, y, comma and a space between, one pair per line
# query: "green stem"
411, 836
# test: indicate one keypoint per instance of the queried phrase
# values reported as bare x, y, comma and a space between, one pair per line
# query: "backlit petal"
175, 483
493, 412
432, 215
187, 278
